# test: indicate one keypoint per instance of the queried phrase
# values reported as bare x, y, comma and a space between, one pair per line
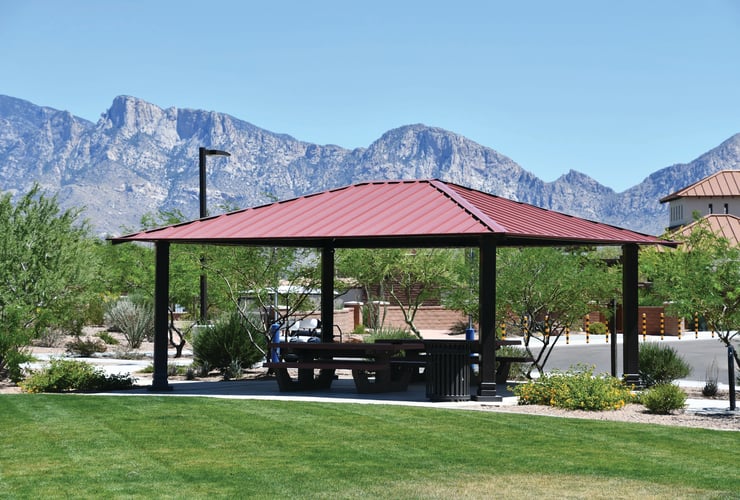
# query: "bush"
69, 375
13, 353
710, 381
135, 321
663, 398
381, 334
597, 328
227, 342
107, 338
575, 389
660, 364
85, 347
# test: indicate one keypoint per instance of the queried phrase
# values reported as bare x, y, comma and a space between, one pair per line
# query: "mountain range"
140, 159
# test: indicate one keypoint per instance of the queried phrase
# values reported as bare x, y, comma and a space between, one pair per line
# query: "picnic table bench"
382, 366
376, 367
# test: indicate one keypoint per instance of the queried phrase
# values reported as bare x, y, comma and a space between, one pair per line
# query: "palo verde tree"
408, 278
702, 277
541, 292
46, 267
277, 281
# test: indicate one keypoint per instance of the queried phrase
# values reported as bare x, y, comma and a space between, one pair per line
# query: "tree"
47, 264
701, 276
541, 292
407, 277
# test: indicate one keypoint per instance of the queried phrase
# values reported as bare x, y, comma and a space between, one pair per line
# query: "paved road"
700, 354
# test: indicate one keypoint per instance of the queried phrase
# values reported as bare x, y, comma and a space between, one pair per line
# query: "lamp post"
202, 154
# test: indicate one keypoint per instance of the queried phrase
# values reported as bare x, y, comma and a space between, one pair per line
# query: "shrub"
227, 341
660, 364
710, 381
597, 328
13, 353
107, 338
663, 398
135, 321
391, 334
575, 389
69, 375
85, 347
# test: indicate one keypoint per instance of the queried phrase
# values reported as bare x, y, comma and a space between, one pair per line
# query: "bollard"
696, 325
547, 329
662, 326
588, 327
644, 327
503, 330
679, 327
567, 335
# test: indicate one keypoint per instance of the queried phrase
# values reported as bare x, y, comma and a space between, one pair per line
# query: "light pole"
202, 153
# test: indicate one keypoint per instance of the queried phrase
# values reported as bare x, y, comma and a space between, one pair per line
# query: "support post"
327, 293
487, 320
161, 311
630, 324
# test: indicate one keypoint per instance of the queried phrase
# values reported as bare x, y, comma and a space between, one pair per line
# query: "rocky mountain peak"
140, 158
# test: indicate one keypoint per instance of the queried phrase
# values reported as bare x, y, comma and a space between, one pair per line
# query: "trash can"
447, 370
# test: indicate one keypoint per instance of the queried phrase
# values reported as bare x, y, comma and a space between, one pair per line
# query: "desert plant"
63, 375
107, 338
663, 398
660, 364
381, 334
135, 321
597, 328
710, 380
233, 371
576, 389
226, 342
85, 347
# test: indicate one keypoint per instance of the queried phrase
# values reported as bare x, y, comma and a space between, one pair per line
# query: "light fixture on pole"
202, 153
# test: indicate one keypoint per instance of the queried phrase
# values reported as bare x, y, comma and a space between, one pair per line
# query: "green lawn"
153, 447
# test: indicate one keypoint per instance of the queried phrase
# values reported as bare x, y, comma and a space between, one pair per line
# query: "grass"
85, 446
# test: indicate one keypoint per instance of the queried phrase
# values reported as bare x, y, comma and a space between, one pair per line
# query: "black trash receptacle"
447, 370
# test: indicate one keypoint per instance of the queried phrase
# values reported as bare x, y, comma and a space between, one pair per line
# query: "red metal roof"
429, 211
722, 183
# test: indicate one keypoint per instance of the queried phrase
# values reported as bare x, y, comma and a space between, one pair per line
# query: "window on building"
711, 209
727, 208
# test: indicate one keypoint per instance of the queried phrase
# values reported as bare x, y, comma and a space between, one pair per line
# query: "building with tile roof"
716, 198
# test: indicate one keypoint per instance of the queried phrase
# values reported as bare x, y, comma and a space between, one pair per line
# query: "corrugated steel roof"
721, 184
420, 210
723, 225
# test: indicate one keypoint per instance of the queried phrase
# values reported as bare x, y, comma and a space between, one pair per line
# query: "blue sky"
613, 89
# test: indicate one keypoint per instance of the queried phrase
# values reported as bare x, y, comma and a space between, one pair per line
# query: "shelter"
401, 214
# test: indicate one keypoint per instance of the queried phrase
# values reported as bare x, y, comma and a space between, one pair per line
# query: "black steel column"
327, 293
161, 311
630, 323
487, 320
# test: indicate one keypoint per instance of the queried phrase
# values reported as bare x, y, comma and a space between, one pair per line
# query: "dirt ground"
710, 419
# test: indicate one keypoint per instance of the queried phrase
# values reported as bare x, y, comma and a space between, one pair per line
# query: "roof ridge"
469, 207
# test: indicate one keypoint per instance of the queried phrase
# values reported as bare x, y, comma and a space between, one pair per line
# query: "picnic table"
382, 366
376, 366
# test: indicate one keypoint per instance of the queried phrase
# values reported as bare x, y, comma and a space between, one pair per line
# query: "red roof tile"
418, 210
